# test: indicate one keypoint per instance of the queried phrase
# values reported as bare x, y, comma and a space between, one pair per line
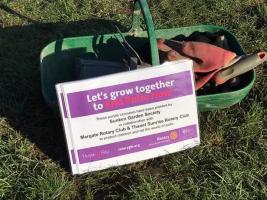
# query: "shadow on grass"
21, 100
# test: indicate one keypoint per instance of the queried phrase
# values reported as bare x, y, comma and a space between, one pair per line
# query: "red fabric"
201, 80
206, 57
212, 57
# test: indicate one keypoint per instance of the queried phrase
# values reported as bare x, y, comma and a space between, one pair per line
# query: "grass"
231, 162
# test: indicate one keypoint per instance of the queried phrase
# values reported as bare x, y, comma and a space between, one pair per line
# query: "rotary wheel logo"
173, 135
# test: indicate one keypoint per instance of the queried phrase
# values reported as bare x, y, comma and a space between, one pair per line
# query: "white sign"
130, 116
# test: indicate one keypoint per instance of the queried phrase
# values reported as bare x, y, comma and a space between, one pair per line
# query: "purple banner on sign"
136, 145
131, 94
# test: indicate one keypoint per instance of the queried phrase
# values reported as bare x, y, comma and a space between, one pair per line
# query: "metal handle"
141, 6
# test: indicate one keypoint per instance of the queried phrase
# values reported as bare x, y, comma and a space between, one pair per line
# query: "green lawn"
231, 162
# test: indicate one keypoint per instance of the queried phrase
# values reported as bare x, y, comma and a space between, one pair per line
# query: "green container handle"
141, 6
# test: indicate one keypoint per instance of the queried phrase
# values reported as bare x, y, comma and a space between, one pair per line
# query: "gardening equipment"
242, 66
201, 53
225, 67
58, 58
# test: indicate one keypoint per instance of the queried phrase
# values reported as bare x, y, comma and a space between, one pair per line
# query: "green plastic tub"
58, 57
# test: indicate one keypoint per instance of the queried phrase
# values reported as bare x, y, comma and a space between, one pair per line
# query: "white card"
130, 116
